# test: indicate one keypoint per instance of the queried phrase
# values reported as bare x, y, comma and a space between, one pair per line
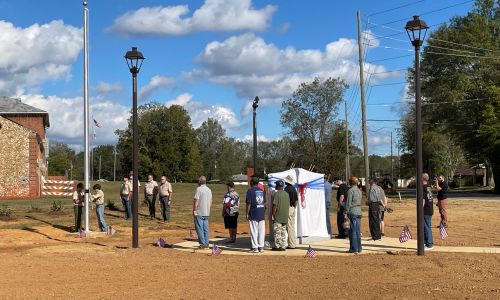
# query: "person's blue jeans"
201, 226
328, 223
355, 233
127, 207
428, 231
340, 221
99, 210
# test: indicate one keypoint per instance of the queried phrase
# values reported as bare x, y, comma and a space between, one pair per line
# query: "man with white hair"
201, 211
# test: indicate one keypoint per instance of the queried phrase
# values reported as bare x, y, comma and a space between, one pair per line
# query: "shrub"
5, 211
456, 183
110, 204
56, 206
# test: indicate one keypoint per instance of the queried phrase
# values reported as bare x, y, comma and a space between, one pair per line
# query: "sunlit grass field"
29, 213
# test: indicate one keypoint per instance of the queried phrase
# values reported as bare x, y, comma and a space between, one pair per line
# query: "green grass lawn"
29, 213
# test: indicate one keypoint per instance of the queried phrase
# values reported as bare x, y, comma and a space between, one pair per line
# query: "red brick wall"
33, 167
34, 123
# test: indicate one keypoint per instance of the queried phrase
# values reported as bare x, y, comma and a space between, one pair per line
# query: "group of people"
152, 193
281, 204
349, 212
97, 199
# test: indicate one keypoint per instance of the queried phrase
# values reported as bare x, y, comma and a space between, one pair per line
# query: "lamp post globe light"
255, 104
416, 30
134, 60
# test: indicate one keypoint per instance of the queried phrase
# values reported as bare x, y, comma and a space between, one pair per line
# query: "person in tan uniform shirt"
126, 196
150, 194
165, 198
98, 199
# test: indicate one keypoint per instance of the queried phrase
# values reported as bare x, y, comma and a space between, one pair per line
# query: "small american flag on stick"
111, 230
405, 234
442, 231
161, 243
310, 252
216, 250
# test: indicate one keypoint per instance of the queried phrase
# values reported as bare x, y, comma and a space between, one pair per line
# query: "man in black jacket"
428, 212
341, 197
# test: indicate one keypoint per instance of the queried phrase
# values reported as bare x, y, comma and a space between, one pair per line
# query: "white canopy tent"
310, 220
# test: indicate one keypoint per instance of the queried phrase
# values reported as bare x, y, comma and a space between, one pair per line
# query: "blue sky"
212, 56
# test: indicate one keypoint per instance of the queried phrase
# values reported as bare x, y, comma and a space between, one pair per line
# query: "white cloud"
201, 111
106, 87
35, 54
260, 138
213, 15
256, 68
66, 117
156, 83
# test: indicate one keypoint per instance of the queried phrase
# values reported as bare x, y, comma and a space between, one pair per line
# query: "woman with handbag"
353, 214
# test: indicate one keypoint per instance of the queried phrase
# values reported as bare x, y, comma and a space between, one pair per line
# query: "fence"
57, 186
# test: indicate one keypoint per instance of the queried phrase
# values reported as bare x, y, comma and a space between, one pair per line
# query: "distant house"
240, 179
475, 175
23, 148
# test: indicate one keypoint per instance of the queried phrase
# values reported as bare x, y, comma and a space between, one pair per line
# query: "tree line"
460, 71
169, 145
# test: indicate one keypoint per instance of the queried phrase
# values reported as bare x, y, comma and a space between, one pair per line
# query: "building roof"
239, 177
14, 106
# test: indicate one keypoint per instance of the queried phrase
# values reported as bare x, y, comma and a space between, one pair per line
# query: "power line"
464, 45
463, 55
384, 84
394, 8
389, 58
426, 13
439, 53
428, 103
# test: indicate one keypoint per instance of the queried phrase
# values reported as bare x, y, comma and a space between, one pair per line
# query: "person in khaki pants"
294, 198
442, 196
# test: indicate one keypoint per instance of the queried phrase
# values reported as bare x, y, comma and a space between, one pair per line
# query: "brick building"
23, 146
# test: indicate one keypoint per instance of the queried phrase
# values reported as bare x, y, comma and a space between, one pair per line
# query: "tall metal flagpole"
86, 113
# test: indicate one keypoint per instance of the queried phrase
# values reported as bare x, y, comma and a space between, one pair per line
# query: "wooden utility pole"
347, 159
363, 103
114, 167
392, 166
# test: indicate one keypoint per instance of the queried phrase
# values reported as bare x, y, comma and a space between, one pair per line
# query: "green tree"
221, 156
309, 115
106, 153
453, 79
167, 143
60, 159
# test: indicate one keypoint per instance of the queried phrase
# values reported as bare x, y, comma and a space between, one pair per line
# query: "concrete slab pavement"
329, 247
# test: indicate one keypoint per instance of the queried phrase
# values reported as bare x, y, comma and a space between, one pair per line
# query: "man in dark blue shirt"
255, 211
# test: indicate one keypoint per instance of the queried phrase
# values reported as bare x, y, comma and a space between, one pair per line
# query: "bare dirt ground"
47, 262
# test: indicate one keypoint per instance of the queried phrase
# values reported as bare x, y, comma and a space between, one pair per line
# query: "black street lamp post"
416, 30
254, 106
134, 60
